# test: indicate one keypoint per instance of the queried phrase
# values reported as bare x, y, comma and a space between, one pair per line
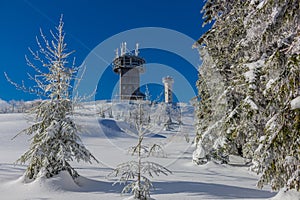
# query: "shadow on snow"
212, 189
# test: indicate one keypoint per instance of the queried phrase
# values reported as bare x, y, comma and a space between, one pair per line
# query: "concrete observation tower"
129, 66
168, 84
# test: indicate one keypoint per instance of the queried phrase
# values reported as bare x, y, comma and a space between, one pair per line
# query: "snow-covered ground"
108, 141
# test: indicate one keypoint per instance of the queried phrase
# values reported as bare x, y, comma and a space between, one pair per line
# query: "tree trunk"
139, 152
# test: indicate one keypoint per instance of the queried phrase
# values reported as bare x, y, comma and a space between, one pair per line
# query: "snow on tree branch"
55, 141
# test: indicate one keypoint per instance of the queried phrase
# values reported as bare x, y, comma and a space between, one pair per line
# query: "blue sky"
87, 24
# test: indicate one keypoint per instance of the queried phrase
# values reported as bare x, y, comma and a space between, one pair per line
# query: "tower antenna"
136, 51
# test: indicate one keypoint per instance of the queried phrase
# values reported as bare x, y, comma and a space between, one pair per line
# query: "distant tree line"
17, 106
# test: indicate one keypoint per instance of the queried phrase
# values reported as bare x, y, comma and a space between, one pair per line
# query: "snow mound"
132, 198
288, 195
295, 103
41, 188
186, 110
62, 181
236, 160
211, 165
110, 124
61, 186
112, 128
199, 153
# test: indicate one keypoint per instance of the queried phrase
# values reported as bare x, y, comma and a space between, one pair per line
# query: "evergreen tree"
209, 112
278, 155
253, 47
138, 173
55, 142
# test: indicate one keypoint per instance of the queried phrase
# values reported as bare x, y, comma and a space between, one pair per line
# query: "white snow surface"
199, 152
249, 101
295, 103
269, 84
250, 75
261, 4
108, 142
282, 195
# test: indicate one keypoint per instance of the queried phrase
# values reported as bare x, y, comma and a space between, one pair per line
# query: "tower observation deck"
129, 66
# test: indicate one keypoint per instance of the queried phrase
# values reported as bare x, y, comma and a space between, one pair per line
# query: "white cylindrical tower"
168, 83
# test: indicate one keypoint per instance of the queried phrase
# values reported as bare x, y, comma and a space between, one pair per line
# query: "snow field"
109, 144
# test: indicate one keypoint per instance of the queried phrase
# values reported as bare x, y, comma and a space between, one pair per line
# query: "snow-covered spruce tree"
278, 33
220, 51
209, 113
171, 114
278, 155
255, 47
137, 173
55, 141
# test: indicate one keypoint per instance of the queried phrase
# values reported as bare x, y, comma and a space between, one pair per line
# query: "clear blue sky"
87, 23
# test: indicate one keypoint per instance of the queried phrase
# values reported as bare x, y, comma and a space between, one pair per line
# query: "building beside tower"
168, 84
129, 66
